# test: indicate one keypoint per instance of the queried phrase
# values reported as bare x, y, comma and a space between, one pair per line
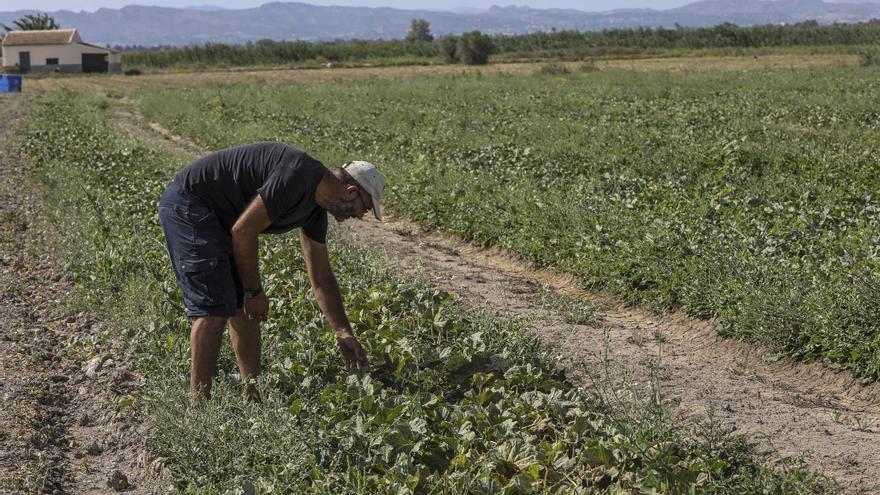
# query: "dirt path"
786, 410
61, 430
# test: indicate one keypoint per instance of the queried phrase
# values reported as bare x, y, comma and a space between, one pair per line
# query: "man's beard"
342, 210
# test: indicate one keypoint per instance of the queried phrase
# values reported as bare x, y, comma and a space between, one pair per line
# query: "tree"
471, 48
33, 22
419, 30
447, 45
474, 48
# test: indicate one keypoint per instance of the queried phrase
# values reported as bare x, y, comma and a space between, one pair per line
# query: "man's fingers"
361, 358
352, 353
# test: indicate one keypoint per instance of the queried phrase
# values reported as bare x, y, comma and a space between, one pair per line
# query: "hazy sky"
590, 5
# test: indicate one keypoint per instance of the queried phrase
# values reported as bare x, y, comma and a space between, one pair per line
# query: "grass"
456, 402
574, 310
747, 196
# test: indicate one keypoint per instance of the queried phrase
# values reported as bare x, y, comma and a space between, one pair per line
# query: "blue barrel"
10, 83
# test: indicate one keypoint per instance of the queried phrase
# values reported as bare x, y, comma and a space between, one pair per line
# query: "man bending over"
212, 213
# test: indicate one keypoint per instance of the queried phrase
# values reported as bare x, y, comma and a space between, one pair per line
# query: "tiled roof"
50, 37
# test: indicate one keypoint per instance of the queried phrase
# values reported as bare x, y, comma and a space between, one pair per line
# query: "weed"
864, 424
574, 310
836, 417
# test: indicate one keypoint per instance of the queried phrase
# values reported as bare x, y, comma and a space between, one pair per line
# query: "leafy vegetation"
455, 403
33, 22
751, 197
417, 48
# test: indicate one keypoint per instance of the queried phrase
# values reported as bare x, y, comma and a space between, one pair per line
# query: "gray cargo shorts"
201, 254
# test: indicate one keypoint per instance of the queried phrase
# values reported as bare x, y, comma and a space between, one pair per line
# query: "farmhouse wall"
69, 57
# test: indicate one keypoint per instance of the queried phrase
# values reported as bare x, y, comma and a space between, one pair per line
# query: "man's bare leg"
204, 340
245, 336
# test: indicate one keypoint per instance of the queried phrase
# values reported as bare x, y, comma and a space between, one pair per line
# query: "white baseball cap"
371, 180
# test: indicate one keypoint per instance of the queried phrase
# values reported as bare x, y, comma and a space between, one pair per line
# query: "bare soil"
62, 427
787, 411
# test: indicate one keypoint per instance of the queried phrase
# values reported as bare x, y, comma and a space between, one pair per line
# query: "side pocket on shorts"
198, 213
198, 273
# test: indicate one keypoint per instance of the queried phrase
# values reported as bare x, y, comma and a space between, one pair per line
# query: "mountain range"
149, 26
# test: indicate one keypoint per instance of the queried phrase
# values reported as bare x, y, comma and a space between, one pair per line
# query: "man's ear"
351, 192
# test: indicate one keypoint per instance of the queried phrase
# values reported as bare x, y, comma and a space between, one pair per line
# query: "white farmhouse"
58, 50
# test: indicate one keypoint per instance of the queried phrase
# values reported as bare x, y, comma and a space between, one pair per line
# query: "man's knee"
209, 324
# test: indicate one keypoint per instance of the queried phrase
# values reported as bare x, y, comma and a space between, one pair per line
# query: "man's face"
343, 210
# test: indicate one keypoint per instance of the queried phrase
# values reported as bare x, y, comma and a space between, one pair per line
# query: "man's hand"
352, 352
257, 308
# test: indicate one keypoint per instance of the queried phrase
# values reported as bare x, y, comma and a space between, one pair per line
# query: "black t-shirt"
285, 177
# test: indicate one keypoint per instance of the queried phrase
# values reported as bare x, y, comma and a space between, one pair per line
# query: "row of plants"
751, 197
455, 402
462, 48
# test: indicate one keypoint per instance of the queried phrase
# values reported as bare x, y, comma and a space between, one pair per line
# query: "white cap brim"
377, 208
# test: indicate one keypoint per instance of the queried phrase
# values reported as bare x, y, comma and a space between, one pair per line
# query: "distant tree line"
269, 52
475, 47
809, 33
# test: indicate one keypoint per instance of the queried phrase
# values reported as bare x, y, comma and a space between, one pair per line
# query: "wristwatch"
252, 293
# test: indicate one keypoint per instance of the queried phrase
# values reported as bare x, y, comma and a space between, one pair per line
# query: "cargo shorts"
201, 254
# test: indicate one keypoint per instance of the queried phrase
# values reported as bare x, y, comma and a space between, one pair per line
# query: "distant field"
748, 195
785, 54
711, 61
753, 62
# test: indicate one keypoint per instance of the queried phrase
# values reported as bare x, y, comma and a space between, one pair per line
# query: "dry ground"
61, 431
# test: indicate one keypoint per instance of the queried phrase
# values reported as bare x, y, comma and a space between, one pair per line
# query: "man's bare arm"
245, 248
329, 298
244, 241
324, 284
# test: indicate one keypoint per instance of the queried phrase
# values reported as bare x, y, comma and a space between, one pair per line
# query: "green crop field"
457, 402
747, 196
